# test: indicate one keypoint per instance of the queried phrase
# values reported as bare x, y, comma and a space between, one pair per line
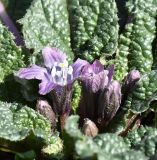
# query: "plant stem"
9, 23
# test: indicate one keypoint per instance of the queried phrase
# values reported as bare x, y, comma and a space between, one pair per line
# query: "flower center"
62, 73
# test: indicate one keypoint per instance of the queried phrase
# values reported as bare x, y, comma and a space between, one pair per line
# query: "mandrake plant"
78, 79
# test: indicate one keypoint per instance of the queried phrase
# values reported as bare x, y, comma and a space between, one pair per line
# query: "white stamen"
53, 71
61, 73
70, 70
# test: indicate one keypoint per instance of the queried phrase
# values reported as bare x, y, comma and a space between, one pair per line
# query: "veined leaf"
144, 139
144, 93
102, 147
46, 24
21, 128
135, 44
94, 27
11, 57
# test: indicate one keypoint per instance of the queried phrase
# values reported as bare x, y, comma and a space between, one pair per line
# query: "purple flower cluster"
101, 96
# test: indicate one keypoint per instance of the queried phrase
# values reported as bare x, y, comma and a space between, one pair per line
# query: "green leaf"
144, 93
130, 155
144, 139
94, 27
55, 149
29, 155
21, 128
11, 57
46, 24
86, 149
76, 96
106, 147
111, 143
70, 135
102, 147
135, 44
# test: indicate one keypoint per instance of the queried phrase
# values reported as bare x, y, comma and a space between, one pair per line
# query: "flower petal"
52, 55
93, 69
97, 67
111, 72
97, 82
45, 87
87, 71
33, 72
109, 101
78, 66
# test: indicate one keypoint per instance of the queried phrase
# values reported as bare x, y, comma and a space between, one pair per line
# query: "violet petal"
97, 67
78, 66
45, 87
87, 71
111, 72
52, 55
33, 72
97, 82
92, 69
109, 101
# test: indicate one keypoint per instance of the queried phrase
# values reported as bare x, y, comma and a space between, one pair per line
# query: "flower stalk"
11, 26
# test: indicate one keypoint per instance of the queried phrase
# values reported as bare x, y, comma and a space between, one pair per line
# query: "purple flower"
109, 102
57, 78
95, 77
55, 73
94, 80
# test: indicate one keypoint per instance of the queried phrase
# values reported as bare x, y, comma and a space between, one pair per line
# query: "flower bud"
109, 101
131, 79
89, 128
45, 109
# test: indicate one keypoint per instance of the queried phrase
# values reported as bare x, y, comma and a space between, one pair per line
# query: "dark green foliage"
88, 29
94, 28
76, 96
46, 23
135, 44
29, 155
144, 139
102, 147
11, 57
144, 93
21, 128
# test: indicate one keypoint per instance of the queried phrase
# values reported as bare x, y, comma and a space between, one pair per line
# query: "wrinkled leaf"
144, 139
55, 149
21, 128
70, 135
94, 27
144, 93
11, 57
46, 24
135, 43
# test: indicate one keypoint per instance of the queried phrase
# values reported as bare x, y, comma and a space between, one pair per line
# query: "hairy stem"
9, 23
